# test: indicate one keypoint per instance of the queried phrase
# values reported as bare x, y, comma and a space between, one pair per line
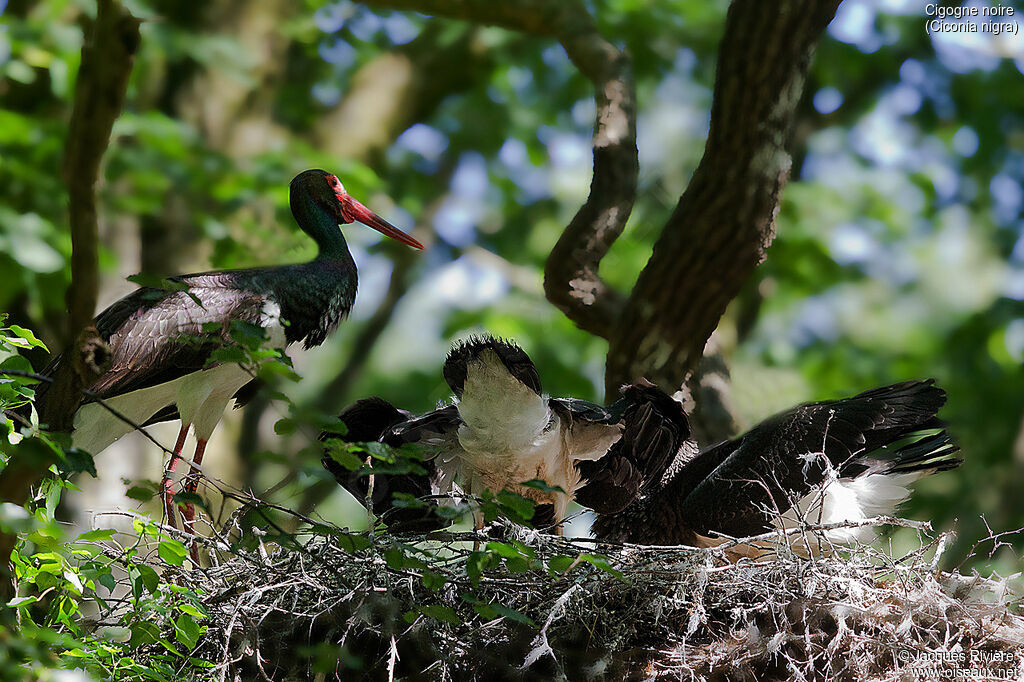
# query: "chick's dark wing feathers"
729, 487
375, 419
654, 429
437, 424
583, 410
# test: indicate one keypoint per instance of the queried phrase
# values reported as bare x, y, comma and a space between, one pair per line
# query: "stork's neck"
319, 224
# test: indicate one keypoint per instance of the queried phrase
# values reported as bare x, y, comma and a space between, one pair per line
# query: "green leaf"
440, 613
52, 488
433, 581
107, 580
189, 498
23, 601
150, 580
513, 615
603, 564
516, 507
501, 549
247, 334
193, 611
352, 543
187, 631
172, 552
486, 611
397, 559
228, 355
140, 493
409, 501
34, 450
170, 647
538, 484
26, 334
560, 564
477, 563
285, 427
98, 535
341, 454
76, 460
380, 451
143, 633
331, 425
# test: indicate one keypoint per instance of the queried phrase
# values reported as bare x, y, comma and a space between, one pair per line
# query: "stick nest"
327, 610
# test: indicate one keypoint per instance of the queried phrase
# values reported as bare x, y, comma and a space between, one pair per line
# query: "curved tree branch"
725, 219
571, 280
723, 222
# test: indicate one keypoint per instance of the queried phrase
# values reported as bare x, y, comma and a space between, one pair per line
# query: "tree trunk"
725, 219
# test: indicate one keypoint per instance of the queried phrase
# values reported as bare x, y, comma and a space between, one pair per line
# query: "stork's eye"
335, 183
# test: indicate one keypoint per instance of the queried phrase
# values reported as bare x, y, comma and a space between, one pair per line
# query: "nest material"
674, 613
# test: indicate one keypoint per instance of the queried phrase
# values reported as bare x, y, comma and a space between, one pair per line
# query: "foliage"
899, 251
120, 606
137, 608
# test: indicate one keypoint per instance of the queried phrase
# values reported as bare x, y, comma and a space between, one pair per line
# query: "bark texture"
725, 219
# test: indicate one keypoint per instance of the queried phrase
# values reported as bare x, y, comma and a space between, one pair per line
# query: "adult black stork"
501, 432
161, 340
829, 462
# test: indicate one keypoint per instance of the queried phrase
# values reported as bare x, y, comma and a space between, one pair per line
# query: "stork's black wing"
737, 487
583, 410
157, 335
374, 419
654, 429
439, 424
163, 338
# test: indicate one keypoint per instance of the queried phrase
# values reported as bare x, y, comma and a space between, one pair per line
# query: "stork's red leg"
192, 480
165, 484
478, 526
190, 486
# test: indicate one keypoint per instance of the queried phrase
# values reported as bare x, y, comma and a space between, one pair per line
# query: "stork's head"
487, 351
326, 191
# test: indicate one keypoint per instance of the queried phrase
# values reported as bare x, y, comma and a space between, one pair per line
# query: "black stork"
161, 343
501, 432
831, 462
